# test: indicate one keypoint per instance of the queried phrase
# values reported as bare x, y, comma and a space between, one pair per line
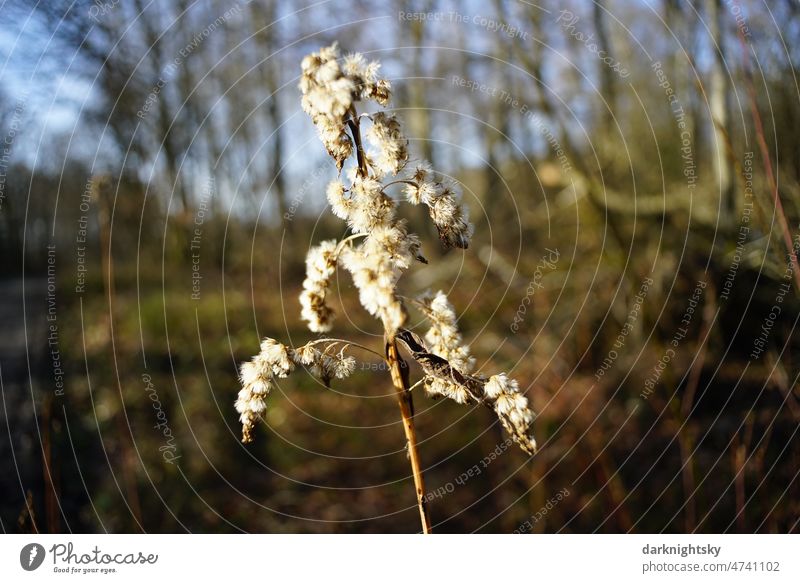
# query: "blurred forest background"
633, 171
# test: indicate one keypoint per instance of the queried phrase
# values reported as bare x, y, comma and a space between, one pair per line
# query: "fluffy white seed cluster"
257, 377
512, 409
443, 200
329, 91
320, 267
326, 364
371, 207
391, 147
365, 77
499, 392
276, 360
386, 251
443, 339
376, 266
339, 198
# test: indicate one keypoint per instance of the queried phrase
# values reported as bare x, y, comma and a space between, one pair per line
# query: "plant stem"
346, 240
399, 371
773, 184
397, 367
355, 129
348, 343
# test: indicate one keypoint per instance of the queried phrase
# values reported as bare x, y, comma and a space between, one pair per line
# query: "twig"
355, 126
762, 145
348, 343
399, 371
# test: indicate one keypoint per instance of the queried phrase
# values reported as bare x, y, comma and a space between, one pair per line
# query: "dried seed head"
343, 366
306, 354
399, 247
375, 275
443, 336
382, 92
320, 267
365, 77
419, 189
324, 364
512, 409
440, 387
447, 364
275, 357
423, 171
498, 385
329, 91
443, 200
449, 215
341, 203
337, 142
371, 208
257, 378
328, 95
391, 147
315, 311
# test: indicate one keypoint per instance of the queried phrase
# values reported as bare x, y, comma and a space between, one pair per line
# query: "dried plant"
377, 252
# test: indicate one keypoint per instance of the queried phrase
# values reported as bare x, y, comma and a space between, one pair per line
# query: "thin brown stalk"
684, 427
762, 145
399, 371
355, 129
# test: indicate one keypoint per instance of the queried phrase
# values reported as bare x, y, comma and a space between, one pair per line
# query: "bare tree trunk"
696, 35
263, 16
608, 85
419, 117
720, 107
165, 128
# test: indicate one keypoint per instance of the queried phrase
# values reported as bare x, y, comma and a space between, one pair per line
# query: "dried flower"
257, 377
320, 267
498, 385
381, 92
276, 356
444, 339
512, 409
331, 88
418, 188
327, 96
386, 136
443, 336
375, 275
447, 364
371, 207
365, 77
341, 204
449, 216
329, 91
443, 200
325, 364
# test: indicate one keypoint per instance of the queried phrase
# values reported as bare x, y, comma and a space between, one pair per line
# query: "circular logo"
31, 556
